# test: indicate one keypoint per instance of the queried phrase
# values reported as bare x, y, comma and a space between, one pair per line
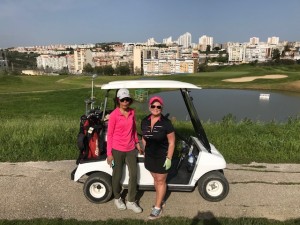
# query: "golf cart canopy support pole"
195, 119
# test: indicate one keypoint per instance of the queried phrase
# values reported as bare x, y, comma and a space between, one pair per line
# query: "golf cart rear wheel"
98, 188
213, 186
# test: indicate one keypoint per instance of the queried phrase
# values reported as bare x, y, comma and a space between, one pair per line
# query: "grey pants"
120, 158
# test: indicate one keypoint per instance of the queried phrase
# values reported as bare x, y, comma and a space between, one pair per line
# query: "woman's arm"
110, 132
171, 140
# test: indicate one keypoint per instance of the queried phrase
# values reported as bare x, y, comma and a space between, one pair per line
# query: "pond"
214, 104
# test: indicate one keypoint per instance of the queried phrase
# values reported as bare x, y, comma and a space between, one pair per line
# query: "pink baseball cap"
156, 98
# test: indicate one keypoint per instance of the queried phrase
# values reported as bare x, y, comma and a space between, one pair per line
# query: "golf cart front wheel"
213, 186
98, 188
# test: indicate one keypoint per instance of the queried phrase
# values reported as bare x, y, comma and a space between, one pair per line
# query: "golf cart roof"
148, 84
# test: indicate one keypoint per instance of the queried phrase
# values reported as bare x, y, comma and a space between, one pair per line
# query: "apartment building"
177, 57
151, 42
169, 53
260, 53
245, 53
52, 62
79, 60
82, 57
168, 41
186, 66
137, 60
71, 64
254, 41
204, 41
140, 53
169, 66
236, 52
273, 40
158, 61
185, 40
74, 63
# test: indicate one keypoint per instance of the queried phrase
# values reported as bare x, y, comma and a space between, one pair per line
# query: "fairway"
40, 122
40, 117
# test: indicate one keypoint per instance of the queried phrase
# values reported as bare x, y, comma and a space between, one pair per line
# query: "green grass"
67, 104
40, 121
12, 84
38, 139
247, 141
40, 116
44, 126
54, 138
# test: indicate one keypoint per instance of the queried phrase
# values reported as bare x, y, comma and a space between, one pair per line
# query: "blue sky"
43, 22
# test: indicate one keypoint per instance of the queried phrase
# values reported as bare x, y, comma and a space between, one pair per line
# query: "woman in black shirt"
159, 141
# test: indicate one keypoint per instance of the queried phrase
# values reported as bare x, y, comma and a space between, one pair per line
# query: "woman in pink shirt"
122, 142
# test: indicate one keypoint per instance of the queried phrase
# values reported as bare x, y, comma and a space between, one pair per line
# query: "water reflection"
214, 104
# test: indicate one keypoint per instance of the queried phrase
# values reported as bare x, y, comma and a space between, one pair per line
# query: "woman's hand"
167, 164
138, 147
110, 160
141, 152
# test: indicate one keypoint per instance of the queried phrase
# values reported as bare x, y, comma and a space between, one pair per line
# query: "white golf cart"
199, 164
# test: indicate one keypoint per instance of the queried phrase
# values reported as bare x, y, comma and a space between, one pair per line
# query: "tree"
160, 45
108, 70
276, 55
222, 59
123, 70
138, 71
208, 48
88, 68
99, 70
254, 63
64, 71
21, 60
71, 50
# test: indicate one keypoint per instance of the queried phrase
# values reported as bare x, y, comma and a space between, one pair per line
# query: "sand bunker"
247, 79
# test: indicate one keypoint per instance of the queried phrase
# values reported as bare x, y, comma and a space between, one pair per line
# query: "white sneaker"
134, 207
120, 204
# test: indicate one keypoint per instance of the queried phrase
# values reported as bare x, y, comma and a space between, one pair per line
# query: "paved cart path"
44, 190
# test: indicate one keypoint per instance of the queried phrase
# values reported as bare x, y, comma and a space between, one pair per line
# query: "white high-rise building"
273, 40
185, 40
137, 59
204, 41
254, 41
167, 41
151, 42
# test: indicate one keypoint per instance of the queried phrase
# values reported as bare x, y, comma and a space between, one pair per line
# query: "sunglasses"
155, 106
126, 99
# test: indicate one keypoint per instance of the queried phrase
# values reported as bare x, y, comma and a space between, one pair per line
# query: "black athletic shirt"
156, 140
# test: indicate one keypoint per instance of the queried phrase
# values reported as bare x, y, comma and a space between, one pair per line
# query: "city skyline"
39, 22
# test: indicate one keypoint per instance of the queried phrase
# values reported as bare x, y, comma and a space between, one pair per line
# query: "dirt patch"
295, 84
248, 79
32, 190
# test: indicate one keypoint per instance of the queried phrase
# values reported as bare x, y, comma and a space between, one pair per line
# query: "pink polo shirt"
121, 131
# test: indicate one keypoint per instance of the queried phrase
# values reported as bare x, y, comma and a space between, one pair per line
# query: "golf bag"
91, 137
